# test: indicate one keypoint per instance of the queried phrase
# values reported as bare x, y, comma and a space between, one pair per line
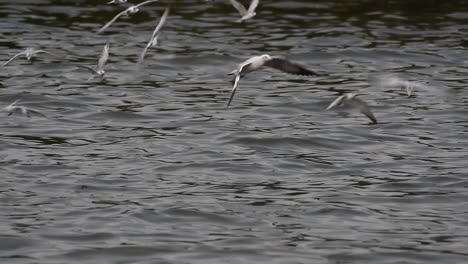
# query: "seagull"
350, 99
257, 62
28, 53
117, 2
245, 13
131, 10
99, 70
154, 37
13, 108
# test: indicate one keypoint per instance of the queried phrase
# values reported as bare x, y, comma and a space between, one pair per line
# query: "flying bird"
409, 86
246, 14
258, 62
28, 53
131, 10
154, 37
351, 100
13, 108
99, 70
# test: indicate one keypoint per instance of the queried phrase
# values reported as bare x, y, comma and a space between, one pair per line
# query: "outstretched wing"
252, 6
289, 67
14, 57
143, 53
240, 8
91, 69
146, 2
112, 21
161, 22
363, 107
103, 59
234, 88
336, 102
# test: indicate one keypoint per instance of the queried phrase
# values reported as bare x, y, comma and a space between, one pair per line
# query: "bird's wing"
112, 21
289, 67
14, 57
234, 88
241, 67
252, 6
12, 105
143, 53
36, 113
336, 102
363, 107
240, 8
161, 22
43, 51
103, 59
87, 67
145, 2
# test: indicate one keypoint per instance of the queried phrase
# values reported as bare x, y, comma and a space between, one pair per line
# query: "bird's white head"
350, 95
100, 73
266, 57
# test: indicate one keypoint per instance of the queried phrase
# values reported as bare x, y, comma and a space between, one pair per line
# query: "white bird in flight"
154, 37
99, 70
13, 108
258, 62
131, 10
117, 2
28, 53
246, 14
409, 86
351, 100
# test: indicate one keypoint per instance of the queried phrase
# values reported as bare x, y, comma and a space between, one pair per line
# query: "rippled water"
146, 166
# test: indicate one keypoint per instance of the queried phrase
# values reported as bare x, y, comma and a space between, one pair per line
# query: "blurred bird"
351, 100
13, 108
99, 70
246, 14
131, 10
28, 53
257, 62
154, 37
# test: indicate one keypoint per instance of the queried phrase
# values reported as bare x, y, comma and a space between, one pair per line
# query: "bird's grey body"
246, 14
154, 37
130, 10
28, 53
351, 100
257, 62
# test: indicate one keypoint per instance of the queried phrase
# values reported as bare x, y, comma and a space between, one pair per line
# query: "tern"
258, 62
154, 37
117, 2
13, 108
28, 53
350, 99
409, 86
99, 70
246, 14
131, 10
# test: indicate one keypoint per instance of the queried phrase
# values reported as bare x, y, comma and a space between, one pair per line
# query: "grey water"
147, 165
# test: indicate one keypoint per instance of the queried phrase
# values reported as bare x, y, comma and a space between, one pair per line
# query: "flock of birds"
250, 65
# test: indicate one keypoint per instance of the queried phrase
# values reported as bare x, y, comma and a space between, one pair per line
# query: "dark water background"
146, 166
